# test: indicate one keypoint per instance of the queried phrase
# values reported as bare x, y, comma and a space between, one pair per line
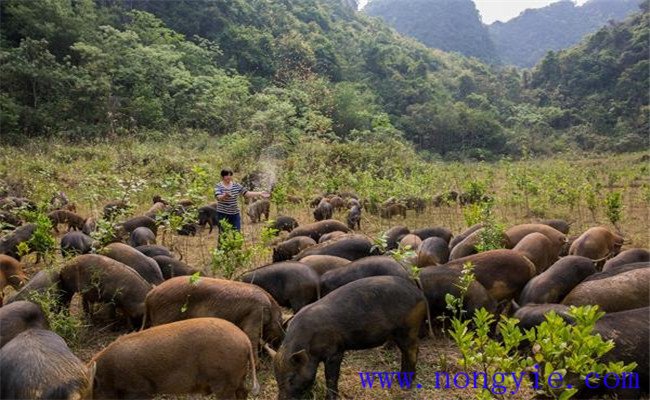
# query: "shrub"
231, 254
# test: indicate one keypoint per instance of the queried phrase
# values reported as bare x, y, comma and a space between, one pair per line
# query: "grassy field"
93, 174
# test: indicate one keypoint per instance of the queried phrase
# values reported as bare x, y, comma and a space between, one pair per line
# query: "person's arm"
256, 194
220, 194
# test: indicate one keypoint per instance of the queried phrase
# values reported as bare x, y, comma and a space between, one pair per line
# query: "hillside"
523, 41
275, 69
603, 82
273, 72
449, 25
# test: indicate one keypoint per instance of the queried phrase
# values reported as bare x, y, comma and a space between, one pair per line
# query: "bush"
231, 254
70, 327
553, 347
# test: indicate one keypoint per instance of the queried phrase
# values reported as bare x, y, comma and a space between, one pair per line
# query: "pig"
330, 236
323, 211
11, 273
432, 251
337, 202
292, 284
559, 224
445, 199
73, 220
248, 306
152, 250
9, 243
351, 202
504, 273
75, 243
555, 283
317, 229
630, 331
114, 208
417, 204
171, 267
157, 208
539, 249
392, 210
257, 209
614, 291
360, 315
200, 355
283, 223
142, 236
361, 268
597, 243
394, 235
315, 201
90, 226
352, 247
354, 217
532, 315
321, 264
289, 248
7, 219
11, 202
518, 232
436, 231
410, 240
19, 316
102, 279
143, 265
627, 257
208, 215
438, 281
125, 228
463, 235
44, 281
37, 364
294, 199
470, 244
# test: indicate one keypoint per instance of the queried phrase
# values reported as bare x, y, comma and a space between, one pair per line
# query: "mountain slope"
604, 81
276, 70
524, 40
449, 25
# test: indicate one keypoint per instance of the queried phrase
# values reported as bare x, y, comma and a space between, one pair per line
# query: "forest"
85, 69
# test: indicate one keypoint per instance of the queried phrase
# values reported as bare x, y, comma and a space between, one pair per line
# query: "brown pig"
597, 243
73, 220
504, 273
101, 279
11, 273
248, 306
201, 355
143, 265
539, 249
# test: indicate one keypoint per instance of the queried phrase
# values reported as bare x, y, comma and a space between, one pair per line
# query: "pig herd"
197, 334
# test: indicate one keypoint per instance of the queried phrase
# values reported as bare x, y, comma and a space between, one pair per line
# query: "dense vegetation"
275, 72
602, 84
449, 25
524, 40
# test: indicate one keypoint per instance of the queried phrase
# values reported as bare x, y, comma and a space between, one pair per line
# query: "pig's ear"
299, 358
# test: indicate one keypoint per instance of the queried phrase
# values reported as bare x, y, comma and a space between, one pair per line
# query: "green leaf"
195, 278
567, 394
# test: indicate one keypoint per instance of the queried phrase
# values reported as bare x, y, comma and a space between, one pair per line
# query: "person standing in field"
226, 193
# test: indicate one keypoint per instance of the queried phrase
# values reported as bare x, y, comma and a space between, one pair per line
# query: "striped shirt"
229, 205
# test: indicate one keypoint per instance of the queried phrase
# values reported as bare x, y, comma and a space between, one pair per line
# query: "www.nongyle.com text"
494, 383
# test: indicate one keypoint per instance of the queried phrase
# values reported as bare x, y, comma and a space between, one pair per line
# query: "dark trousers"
233, 219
